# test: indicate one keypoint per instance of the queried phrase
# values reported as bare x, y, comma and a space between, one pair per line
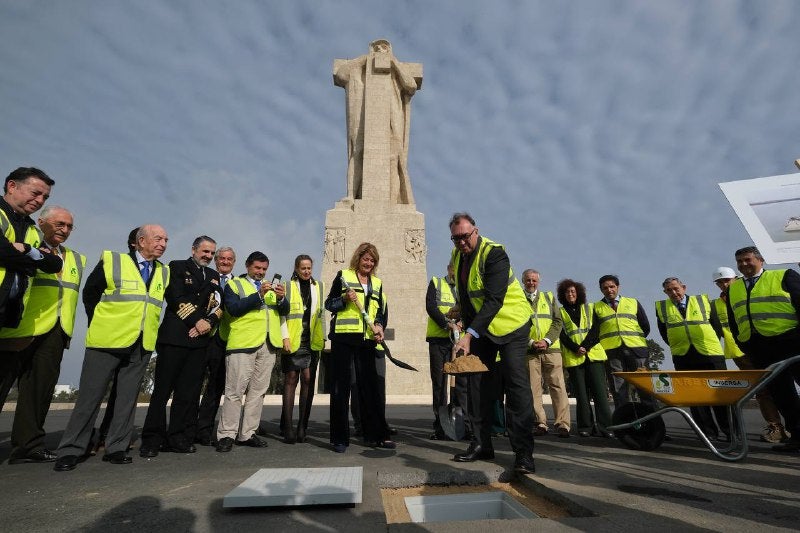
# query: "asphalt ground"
678, 487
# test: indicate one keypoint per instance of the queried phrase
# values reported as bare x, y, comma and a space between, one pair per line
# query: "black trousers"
37, 367
372, 399
215, 388
511, 373
179, 372
439, 352
624, 359
782, 387
693, 360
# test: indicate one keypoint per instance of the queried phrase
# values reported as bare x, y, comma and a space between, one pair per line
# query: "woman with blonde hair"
359, 317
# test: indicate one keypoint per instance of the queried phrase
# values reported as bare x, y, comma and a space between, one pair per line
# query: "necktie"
258, 285
57, 252
145, 271
614, 305
223, 280
682, 309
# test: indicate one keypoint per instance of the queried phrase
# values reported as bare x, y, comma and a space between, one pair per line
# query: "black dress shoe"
289, 436
117, 458
39, 456
225, 445
473, 453
66, 463
182, 447
300, 436
254, 442
148, 452
204, 441
524, 464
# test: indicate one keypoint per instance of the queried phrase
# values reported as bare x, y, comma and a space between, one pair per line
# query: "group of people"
217, 328
228, 331
484, 308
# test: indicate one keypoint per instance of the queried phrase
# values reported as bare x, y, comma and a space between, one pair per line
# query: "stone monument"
379, 206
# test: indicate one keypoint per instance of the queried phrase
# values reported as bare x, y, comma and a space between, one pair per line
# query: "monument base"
398, 232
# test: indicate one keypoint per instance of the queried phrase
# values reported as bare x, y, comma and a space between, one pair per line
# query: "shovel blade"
451, 418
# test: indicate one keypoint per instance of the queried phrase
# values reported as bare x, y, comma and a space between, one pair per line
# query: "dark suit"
192, 294
510, 374
765, 351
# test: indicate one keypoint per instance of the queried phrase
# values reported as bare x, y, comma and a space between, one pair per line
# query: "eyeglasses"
463, 237
63, 225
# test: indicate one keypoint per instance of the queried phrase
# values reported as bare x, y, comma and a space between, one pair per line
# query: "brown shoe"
563, 432
540, 431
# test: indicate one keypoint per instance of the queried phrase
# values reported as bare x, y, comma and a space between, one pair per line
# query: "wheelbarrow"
641, 427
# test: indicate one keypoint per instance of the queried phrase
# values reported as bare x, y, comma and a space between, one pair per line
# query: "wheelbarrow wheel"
647, 436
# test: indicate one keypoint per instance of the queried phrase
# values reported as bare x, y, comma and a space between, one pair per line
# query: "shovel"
451, 417
365, 318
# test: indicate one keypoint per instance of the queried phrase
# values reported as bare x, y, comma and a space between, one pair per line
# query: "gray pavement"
679, 487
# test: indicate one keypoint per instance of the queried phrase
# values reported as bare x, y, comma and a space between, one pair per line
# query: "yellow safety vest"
729, 347
349, 319
33, 236
694, 330
619, 327
127, 308
294, 320
515, 311
249, 331
542, 318
577, 334
445, 300
767, 308
51, 299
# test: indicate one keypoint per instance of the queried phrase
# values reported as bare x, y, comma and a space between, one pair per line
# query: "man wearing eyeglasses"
38, 342
496, 321
764, 316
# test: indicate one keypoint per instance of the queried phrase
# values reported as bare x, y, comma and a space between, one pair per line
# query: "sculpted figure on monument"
357, 77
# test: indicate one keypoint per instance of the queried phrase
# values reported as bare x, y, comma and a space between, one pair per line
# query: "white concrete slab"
273, 487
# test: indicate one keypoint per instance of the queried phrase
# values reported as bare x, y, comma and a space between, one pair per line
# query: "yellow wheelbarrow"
641, 427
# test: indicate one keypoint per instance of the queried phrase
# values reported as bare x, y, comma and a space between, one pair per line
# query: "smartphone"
276, 279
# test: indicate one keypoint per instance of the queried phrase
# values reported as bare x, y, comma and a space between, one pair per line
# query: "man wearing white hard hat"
774, 432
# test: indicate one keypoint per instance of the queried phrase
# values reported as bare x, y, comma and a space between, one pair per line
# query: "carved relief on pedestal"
415, 246
334, 245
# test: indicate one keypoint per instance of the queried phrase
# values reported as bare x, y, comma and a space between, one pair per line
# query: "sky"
588, 137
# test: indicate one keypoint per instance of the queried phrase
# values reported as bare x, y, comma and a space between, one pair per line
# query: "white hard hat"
723, 273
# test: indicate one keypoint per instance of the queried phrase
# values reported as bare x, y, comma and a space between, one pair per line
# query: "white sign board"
769, 209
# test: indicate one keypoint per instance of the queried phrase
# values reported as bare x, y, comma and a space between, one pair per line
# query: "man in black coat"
25, 191
193, 309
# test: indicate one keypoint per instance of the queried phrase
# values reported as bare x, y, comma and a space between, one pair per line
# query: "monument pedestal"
398, 232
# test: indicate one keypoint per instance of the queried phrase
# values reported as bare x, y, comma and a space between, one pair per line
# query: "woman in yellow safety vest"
584, 358
359, 318
303, 333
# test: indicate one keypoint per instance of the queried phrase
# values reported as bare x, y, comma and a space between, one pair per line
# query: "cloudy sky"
589, 137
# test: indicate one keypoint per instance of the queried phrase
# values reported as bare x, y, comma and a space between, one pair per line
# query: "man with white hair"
123, 297
39, 341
